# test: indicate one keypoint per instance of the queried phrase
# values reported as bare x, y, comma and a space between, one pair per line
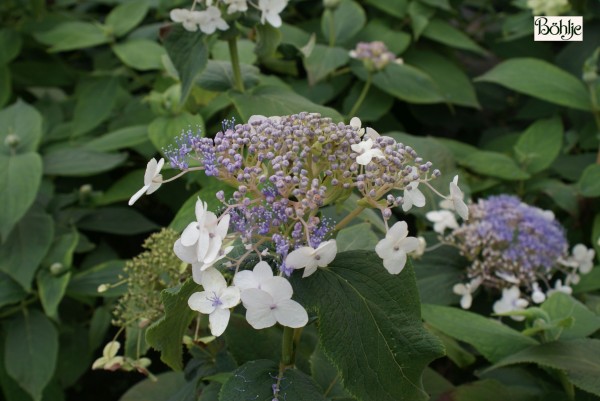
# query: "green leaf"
276, 101
268, 39
218, 76
490, 337
122, 138
30, 351
323, 60
358, 236
124, 188
163, 130
117, 220
420, 14
10, 45
5, 85
10, 291
25, 122
80, 162
99, 325
405, 82
578, 358
589, 183
327, 376
72, 35
561, 306
540, 144
86, 283
358, 308
493, 164
346, 20
126, 16
51, 289
25, 247
489, 390
162, 389
396, 8
95, 101
442, 4
166, 335
437, 271
564, 195
541, 80
396, 41
140, 54
595, 240
440, 31
248, 344
189, 55
376, 104
453, 83
588, 282
255, 378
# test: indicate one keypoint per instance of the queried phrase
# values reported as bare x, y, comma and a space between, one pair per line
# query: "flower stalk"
362, 96
235, 64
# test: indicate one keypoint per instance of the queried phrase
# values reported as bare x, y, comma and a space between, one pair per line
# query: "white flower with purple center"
394, 248
456, 196
442, 219
215, 301
309, 258
152, 180
511, 301
366, 152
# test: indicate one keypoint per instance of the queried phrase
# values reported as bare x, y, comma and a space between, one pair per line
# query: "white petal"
291, 314
229, 297
223, 226
203, 244
466, 300
150, 171
213, 249
407, 202
260, 318
138, 195
309, 270
262, 271
398, 231
326, 252
200, 302
384, 248
279, 288
253, 298
245, 280
190, 235
178, 14
111, 349
200, 210
372, 134
355, 122
213, 281
197, 272
365, 158
185, 253
395, 264
274, 19
218, 321
155, 185
299, 258
418, 198
461, 209
408, 244
190, 26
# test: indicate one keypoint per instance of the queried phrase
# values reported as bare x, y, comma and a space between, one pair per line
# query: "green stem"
235, 64
331, 29
21, 307
567, 385
595, 113
362, 96
349, 218
287, 347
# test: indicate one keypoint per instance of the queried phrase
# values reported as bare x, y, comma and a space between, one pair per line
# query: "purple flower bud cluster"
179, 155
375, 55
509, 242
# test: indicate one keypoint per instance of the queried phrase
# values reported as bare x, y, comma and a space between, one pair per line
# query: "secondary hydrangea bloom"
442, 220
466, 291
394, 248
374, 55
548, 7
152, 180
309, 258
511, 301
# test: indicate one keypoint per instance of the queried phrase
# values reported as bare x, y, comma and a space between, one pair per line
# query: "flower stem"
596, 114
362, 96
235, 64
349, 218
287, 347
567, 385
331, 29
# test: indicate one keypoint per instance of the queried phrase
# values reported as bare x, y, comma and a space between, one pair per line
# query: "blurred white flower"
393, 249
442, 220
508, 277
417, 253
366, 152
456, 196
559, 287
270, 10
210, 20
188, 18
236, 5
371, 133
466, 291
215, 301
537, 295
511, 301
152, 180
309, 258
584, 258
109, 359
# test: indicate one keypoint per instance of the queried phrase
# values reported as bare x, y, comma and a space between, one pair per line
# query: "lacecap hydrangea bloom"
515, 248
285, 169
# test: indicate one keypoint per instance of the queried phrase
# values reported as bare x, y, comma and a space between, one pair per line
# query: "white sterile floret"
584, 258
236, 5
466, 291
109, 359
254, 278
559, 287
508, 277
412, 196
366, 152
210, 20
537, 295
442, 219
417, 253
270, 10
189, 19
273, 304
215, 301
198, 268
511, 301
309, 258
371, 133
152, 180
393, 249
456, 196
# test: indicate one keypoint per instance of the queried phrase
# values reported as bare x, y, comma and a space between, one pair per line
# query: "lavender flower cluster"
375, 55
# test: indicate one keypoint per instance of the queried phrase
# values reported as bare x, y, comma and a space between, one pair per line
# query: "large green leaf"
361, 307
86, 283
72, 35
25, 247
140, 54
358, 236
268, 39
589, 183
218, 76
327, 376
490, 337
161, 389
30, 351
122, 138
5, 84
540, 144
441, 31
395, 40
397, 8
166, 335
580, 359
254, 380
126, 16
10, 291
323, 60
561, 306
493, 164
248, 344
163, 130
117, 220
437, 272
25, 122
540, 79
189, 54
345, 21
80, 162
124, 188
276, 101
95, 100
10, 45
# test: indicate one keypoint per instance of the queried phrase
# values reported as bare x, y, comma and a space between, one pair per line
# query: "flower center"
215, 300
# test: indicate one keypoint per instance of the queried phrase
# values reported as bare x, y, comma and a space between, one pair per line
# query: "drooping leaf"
539, 145
30, 352
358, 307
140, 54
589, 183
540, 79
72, 35
494, 164
166, 335
80, 162
25, 122
126, 16
117, 220
95, 101
343, 23
120, 139
10, 291
441, 31
493, 339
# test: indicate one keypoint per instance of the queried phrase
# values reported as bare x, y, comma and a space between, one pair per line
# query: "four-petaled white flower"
273, 304
537, 295
152, 180
511, 301
198, 268
215, 301
210, 20
366, 152
270, 11
584, 258
309, 258
109, 359
466, 291
393, 249
188, 18
412, 196
456, 195
236, 5
255, 278
357, 124
442, 219
559, 287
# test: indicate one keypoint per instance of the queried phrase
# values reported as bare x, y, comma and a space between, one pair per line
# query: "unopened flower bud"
56, 268
12, 141
103, 288
85, 189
